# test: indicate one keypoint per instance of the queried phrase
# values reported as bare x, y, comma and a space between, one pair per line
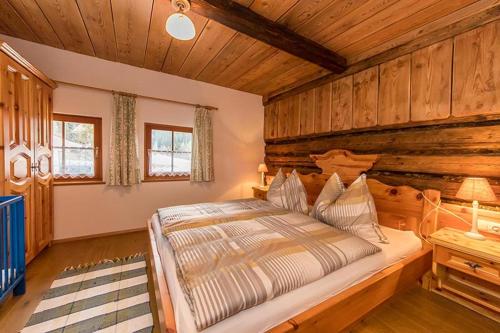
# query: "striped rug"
111, 296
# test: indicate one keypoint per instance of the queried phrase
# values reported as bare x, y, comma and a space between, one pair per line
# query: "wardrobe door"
17, 99
3, 66
43, 163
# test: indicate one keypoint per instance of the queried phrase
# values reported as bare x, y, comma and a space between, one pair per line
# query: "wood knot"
420, 196
393, 191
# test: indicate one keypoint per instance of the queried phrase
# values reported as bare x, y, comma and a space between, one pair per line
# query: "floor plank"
414, 311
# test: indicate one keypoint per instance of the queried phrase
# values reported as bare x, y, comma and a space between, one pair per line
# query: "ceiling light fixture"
178, 24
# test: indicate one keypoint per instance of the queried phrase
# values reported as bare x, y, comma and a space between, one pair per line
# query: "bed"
353, 290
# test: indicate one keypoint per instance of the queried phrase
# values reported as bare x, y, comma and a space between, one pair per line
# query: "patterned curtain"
123, 157
202, 160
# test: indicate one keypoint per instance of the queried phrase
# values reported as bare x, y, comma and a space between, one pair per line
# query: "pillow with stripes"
288, 193
273, 194
333, 188
354, 211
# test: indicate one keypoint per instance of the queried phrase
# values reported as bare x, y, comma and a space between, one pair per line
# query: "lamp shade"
476, 189
262, 168
180, 26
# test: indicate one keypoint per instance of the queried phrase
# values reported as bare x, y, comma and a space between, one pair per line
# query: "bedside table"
260, 192
467, 271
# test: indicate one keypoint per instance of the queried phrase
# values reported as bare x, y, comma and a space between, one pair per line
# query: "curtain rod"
137, 95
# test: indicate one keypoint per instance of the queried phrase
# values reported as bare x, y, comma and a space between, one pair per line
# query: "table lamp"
262, 169
475, 189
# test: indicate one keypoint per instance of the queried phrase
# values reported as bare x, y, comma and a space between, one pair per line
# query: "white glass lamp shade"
180, 26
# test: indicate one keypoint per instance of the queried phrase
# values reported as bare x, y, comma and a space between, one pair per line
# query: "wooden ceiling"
133, 32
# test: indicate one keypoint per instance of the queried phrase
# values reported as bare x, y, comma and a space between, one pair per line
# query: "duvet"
227, 267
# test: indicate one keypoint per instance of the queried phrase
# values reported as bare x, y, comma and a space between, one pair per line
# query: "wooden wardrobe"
25, 143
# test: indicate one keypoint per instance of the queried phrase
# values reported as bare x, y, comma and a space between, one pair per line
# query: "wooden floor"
414, 311
43, 270
422, 311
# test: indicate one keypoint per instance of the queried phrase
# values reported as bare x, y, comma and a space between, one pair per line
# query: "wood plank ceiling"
133, 32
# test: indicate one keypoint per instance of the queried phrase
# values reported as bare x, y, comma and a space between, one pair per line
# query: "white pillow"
288, 193
354, 211
333, 188
273, 194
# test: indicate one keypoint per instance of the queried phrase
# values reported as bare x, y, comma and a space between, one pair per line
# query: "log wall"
433, 114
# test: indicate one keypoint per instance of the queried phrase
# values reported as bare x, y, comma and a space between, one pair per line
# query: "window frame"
148, 130
81, 180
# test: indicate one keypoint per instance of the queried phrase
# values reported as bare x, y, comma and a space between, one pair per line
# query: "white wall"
93, 209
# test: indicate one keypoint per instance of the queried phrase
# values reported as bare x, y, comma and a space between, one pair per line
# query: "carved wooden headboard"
399, 207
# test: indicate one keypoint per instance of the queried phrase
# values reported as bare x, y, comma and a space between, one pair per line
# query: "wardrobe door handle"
35, 166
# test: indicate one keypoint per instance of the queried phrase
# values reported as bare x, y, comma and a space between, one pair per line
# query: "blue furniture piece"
12, 257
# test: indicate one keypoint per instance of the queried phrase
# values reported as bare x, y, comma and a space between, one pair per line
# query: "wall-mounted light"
178, 24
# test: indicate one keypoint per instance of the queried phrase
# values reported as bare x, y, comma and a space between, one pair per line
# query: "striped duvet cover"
228, 267
198, 215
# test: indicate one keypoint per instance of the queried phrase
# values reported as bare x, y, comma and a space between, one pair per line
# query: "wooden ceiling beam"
439, 35
244, 20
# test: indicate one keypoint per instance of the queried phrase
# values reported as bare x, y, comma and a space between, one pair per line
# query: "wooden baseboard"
106, 234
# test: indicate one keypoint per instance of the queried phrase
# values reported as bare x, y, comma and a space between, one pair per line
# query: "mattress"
278, 310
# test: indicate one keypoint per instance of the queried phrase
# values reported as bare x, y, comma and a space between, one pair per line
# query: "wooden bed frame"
398, 207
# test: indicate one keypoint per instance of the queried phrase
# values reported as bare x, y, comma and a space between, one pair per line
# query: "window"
76, 146
167, 152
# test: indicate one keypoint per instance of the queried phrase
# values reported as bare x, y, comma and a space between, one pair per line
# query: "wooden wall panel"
271, 113
322, 108
394, 91
416, 87
289, 117
365, 98
473, 138
462, 165
433, 115
448, 220
293, 116
432, 156
443, 139
431, 82
476, 71
342, 104
444, 165
306, 112
448, 185
282, 118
